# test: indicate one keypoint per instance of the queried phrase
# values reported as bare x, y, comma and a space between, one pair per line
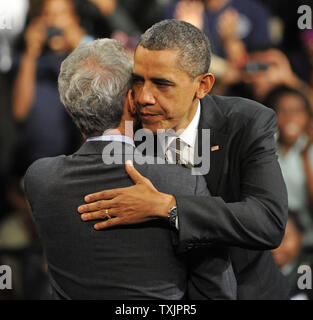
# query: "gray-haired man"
133, 262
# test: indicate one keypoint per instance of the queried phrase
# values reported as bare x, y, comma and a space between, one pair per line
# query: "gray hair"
192, 44
93, 84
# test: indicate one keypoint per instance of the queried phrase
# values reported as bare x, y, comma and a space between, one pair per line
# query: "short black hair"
192, 44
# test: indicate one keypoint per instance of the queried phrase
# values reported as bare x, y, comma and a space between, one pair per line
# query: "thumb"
133, 173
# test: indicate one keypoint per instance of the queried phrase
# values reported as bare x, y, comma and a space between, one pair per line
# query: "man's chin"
154, 128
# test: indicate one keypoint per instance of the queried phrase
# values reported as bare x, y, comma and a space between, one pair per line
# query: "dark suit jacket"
127, 262
247, 208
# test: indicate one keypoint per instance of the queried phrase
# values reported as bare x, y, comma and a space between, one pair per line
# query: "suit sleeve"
257, 221
32, 182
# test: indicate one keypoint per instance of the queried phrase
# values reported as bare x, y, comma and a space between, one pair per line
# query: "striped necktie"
176, 151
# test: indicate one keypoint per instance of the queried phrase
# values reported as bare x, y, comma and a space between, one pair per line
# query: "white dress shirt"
188, 138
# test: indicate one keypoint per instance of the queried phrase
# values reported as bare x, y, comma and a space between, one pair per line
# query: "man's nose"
146, 96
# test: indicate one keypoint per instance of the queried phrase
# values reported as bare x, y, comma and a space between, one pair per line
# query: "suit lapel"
213, 119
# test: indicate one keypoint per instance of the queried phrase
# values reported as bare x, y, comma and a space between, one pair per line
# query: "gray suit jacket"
128, 262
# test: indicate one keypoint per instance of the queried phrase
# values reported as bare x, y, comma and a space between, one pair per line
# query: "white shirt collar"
189, 135
118, 138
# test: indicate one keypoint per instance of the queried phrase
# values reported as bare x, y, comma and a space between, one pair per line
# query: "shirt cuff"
176, 223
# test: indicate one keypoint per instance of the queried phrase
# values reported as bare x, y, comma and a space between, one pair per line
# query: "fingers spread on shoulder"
96, 206
101, 214
103, 195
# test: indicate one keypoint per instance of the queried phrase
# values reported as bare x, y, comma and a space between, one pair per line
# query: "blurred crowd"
258, 53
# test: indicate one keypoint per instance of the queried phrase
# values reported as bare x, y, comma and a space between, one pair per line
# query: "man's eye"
137, 80
138, 83
162, 84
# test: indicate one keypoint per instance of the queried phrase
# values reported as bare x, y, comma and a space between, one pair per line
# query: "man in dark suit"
132, 262
247, 208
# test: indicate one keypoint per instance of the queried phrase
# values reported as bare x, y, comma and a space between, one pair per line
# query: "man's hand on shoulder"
131, 205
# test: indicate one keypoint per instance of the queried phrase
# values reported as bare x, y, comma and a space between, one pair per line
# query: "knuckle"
123, 220
145, 179
102, 214
99, 205
101, 195
109, 223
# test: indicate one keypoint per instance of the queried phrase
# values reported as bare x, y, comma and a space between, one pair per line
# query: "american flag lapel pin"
215, 148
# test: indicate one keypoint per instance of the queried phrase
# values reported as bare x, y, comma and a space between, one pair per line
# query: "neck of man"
122, 129
189, 117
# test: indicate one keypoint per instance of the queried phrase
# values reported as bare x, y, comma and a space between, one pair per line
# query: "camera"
253, 67
52, 32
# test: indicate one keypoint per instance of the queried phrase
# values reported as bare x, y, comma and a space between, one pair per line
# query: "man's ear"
206, 82
129, 108
130, 102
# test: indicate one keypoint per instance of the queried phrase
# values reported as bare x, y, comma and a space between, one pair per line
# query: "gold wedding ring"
107, 213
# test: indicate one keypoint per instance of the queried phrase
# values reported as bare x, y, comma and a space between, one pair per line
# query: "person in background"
290, 255
245, 62
291, 37
226, 69
269, 68
295, 152
119, 19
252, 16
44, 126
95, 16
